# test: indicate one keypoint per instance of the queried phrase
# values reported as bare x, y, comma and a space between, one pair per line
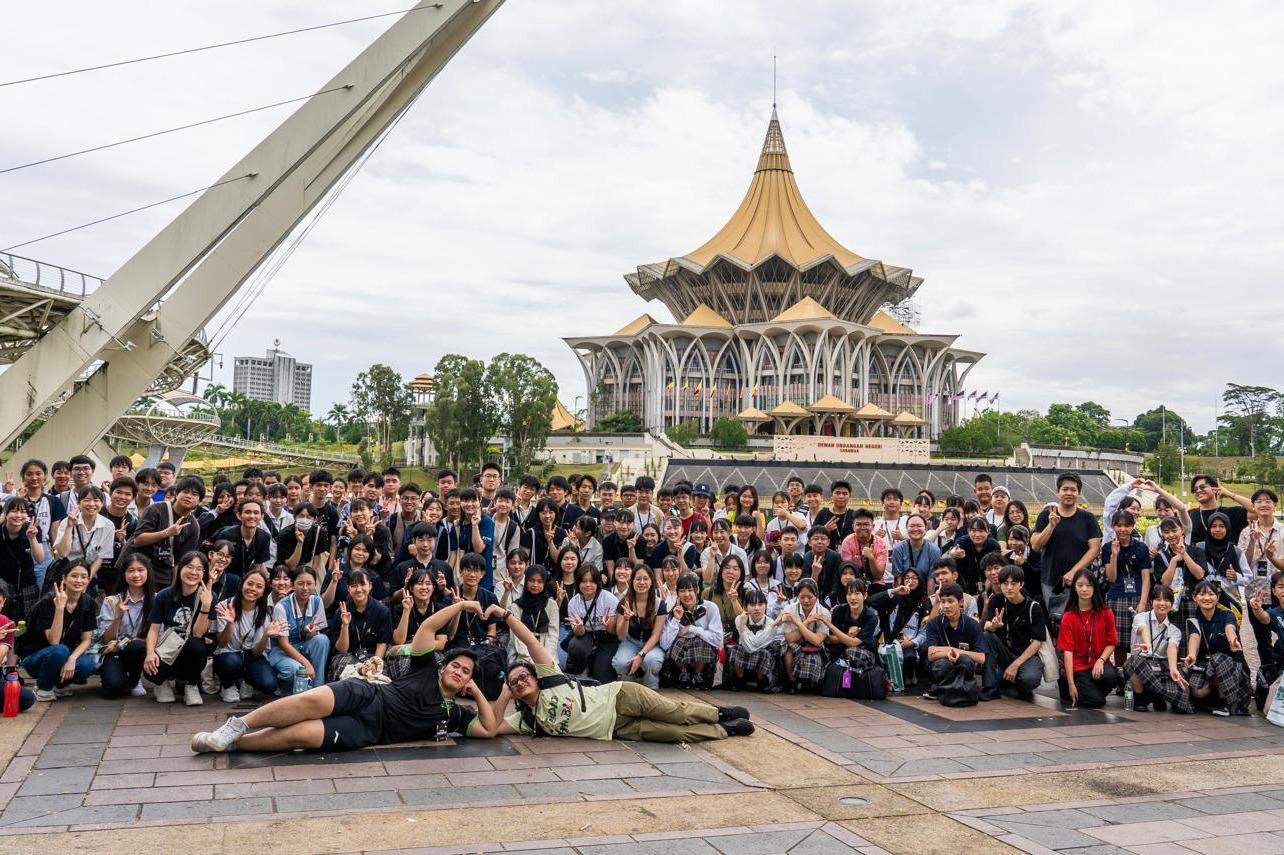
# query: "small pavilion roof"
636, 325
703, 316
872, 411
831, 404
787, 409
907, 419
752, 414
886, 323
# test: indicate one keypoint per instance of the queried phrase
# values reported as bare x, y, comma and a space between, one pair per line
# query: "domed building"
781, 327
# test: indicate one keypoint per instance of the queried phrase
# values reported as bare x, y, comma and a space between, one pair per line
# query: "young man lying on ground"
353, 713
550, 704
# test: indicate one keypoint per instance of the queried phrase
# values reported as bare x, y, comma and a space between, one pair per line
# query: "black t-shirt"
366, 629
614, 548
383, 545
1067, 544
640, 630
864, 626
969, 565
846, 520
245, 556
396, 579
412, 704
165, 552
81, 619
1023, 622
129, 522
171, 610
1212, 631
1199, 518
315, 540
473, 627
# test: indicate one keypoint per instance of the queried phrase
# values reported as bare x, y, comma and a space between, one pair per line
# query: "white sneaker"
46, 695
164, 692
192, 695
230, 695
138, 691
245, 690
222, 739
64, 691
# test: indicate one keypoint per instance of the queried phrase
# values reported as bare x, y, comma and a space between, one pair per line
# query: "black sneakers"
738, 727
726, 714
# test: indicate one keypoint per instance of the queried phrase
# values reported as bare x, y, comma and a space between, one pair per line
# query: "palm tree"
217, 394
339, 416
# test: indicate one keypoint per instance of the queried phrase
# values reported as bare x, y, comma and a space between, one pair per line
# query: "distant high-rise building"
277, 377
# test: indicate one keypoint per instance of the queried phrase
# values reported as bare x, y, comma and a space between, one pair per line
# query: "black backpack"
548, 682
959, 688
856, 675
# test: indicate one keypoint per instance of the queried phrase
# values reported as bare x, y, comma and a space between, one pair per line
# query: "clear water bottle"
300, 680
1129, 697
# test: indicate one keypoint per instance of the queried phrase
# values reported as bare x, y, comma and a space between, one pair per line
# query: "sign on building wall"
850, 449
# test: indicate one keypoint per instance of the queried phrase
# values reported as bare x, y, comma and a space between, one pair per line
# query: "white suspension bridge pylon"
112, 344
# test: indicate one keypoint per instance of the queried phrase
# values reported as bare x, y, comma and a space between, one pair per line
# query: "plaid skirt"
1231, 676
1157, 681
1124, 607
762, 662
691, 649
808, 667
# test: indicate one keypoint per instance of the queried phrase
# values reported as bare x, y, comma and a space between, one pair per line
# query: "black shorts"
357, 719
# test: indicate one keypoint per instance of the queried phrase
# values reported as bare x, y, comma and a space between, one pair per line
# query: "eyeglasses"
518, 680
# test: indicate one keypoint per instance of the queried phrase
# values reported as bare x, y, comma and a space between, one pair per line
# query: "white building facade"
277, 377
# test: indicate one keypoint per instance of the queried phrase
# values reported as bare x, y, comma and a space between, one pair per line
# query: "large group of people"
361, 606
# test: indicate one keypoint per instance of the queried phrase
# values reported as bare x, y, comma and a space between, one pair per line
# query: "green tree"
621, 421
1096, 412
1064, 425
524, 393
684, 433
381, 399
1160, 425
729, 433
462, 417
1249, 418
1165, 463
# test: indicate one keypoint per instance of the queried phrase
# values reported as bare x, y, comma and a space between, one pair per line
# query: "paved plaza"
821, 775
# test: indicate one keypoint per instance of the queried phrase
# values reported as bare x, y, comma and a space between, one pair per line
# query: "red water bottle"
12, 693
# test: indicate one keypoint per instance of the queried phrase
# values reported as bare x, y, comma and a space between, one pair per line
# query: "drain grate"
855, 801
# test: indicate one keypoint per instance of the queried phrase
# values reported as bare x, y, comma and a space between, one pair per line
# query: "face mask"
303, 525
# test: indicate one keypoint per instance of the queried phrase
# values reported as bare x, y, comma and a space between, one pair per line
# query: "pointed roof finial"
773, 86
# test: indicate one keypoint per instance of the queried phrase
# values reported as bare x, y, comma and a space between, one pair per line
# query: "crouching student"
1217, 672
185, 606
1015, 628
304, 645
853, 626
122, 627
639, 625
1152, 664
953, 641
240, 659
802, 623
901, 610
1267, 621
420, 703
551, 704
1087, 643
757, 656
692, 635
8, 630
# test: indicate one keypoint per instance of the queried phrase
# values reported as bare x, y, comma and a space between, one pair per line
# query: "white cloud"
1091, 191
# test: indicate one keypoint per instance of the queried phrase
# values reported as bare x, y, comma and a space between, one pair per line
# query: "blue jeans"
563, 633
46, 663
255, 670
648, 671
316, 650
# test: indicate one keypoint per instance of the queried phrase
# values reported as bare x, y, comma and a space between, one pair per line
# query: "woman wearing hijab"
901, 610
536, 608
1223, 566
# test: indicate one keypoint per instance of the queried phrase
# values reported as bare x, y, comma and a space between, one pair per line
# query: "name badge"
1130, 585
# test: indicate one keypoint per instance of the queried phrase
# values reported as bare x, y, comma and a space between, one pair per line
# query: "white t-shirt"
93, 543
244, 633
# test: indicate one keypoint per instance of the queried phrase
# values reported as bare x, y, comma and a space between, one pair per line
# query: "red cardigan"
1086, 635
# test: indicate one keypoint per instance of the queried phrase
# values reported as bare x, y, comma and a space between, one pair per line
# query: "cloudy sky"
1091, 190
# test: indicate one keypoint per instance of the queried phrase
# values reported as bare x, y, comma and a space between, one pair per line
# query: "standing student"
1087, 643
20, 552
1070, 540
916, 551
890, 528
241, 640
122, 630
1127, 566
168, 529
1209, 494
87, 535
186, 606
55, 647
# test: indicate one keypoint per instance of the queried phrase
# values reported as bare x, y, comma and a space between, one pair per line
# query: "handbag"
1048, 658
959, 688
855, 675
171, 641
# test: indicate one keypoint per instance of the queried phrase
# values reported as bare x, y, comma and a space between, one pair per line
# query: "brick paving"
908, 738
88, 763
93, 764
